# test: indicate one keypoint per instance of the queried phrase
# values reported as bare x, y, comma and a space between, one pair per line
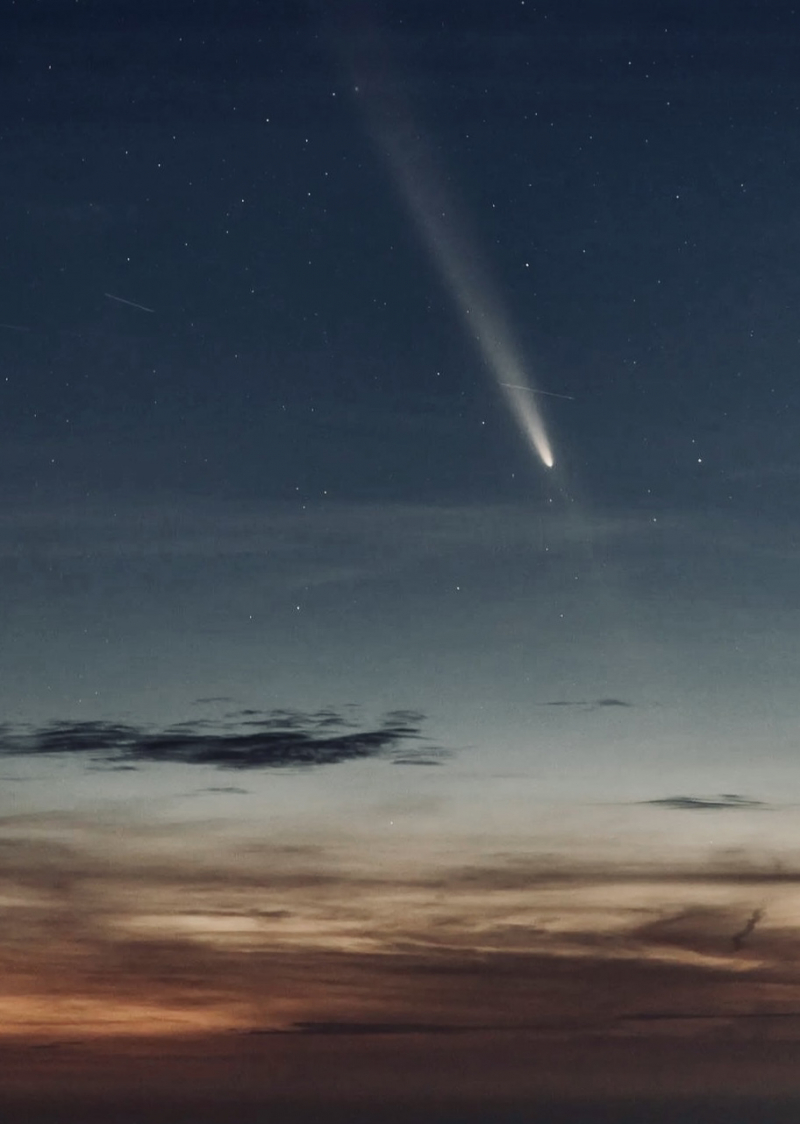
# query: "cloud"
705, 803
358, 539
276, 739
369, 1028
422, 760
739, 938
106, 928
589, 704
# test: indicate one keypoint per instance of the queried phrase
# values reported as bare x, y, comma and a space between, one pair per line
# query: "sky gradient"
352, 752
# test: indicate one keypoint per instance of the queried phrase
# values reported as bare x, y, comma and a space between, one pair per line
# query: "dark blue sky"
269, 507
629, 174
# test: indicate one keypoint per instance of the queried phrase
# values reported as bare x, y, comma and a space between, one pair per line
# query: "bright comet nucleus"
532, 426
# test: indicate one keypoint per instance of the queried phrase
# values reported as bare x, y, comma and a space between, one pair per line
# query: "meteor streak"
531, 390
132, 304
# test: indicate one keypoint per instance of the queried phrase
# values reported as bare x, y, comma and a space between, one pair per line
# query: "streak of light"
455, 260
132, 304
531, 390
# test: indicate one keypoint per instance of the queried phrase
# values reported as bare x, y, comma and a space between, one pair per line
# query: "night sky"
399, 558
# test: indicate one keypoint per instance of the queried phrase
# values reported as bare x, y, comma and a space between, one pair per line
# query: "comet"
471, 293
455, 259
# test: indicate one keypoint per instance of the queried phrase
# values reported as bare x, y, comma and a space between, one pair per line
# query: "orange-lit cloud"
101, 937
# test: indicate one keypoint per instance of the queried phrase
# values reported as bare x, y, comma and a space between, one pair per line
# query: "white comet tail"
531, 423
471, 292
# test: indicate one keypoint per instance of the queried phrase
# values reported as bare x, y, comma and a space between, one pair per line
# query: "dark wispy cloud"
747, 929
589, 704
369, 1028
245, 740
420, 759
704, 803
